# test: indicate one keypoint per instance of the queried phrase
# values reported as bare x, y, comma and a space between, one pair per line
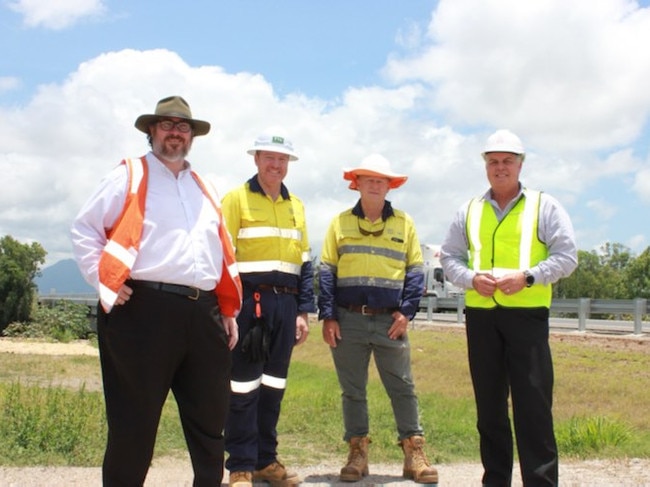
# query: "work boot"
276, 475
416, 465
240, 479
357, 466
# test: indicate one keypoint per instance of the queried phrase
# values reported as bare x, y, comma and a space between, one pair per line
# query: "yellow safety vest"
372, 261
499, 248
121, 250
269, 235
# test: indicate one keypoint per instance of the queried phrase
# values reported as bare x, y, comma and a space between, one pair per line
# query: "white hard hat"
273, 141
504, 141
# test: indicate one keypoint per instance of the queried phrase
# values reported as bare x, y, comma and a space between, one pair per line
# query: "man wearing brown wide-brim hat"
152, 242
172, 106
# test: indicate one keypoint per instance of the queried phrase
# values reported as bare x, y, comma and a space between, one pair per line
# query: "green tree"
600, 274
584, 282
637, 276
19, 265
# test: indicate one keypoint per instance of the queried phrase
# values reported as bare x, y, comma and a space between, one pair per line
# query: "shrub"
584, 435
63, 322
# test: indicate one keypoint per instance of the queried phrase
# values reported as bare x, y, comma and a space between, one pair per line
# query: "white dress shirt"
180, 238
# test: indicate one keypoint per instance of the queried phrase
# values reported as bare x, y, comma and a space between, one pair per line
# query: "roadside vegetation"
52, 411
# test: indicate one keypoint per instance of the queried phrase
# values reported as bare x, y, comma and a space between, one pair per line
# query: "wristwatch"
530, 279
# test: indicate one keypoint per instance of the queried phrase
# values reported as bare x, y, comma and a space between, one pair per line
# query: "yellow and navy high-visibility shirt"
270, 240
511, 245
381, 269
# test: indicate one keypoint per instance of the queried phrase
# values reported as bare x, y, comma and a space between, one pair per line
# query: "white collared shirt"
180, 239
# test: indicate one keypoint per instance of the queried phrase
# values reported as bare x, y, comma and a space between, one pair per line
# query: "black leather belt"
278, 289
189, 292
364, 310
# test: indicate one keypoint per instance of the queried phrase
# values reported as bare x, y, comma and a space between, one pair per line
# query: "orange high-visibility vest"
123, 244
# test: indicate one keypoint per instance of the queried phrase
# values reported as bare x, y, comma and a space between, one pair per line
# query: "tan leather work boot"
416, 465
240, 479
276, 475
357, 466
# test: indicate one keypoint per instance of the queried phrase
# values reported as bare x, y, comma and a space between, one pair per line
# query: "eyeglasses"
365, 232
181, 126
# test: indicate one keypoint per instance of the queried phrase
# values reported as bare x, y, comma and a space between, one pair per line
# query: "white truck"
435, 281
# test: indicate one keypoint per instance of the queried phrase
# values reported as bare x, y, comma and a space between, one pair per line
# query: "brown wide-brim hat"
374, 165
172, 106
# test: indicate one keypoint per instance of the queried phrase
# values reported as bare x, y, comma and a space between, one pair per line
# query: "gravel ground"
177, 472
174, 472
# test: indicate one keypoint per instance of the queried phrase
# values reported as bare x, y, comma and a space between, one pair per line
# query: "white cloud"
641, 184
8, 83
564, 103
637, 243
602, 209
56, 14
565, 75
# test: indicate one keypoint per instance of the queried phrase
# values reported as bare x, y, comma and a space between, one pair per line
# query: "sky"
422, 82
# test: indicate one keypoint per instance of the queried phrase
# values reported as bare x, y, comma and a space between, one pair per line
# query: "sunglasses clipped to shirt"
365, 232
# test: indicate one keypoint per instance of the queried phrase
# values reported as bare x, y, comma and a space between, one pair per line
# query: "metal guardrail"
89, 299
584, 308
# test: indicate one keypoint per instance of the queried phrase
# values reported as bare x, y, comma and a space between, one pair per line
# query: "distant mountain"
62, 278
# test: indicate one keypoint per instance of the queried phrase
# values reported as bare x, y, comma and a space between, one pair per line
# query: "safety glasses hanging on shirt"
365, 232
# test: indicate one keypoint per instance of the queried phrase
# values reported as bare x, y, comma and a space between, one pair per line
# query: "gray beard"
173, 154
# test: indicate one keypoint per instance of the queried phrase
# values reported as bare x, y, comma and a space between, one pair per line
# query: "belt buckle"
195, 297
277, 289
363, 310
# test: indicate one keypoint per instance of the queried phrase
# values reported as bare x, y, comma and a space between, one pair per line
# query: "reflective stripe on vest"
123, 245
270, 234
519, 249
376, 261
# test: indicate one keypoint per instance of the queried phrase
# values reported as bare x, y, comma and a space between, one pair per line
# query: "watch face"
530, 280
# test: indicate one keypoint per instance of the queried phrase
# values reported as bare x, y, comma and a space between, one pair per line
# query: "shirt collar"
255, 187
386, 211
152, 159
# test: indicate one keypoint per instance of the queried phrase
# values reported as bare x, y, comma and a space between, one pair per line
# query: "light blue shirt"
554, 229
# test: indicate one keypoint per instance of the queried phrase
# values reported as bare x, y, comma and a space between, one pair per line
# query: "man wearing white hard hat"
269, 231
506, 248
371, 282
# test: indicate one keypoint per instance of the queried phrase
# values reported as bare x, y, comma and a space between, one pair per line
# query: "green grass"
51, 407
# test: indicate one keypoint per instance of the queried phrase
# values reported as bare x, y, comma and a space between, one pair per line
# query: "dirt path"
169, 472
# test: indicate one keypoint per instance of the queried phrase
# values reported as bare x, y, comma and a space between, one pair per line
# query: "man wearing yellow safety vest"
506, 248
371, 282
152, 241
269, 230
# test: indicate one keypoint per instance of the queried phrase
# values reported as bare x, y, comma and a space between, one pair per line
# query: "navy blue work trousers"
509, 353
155, 343
258, 388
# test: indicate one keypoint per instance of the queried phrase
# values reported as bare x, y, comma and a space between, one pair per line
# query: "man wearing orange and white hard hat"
371, 281
506, 248
269, 230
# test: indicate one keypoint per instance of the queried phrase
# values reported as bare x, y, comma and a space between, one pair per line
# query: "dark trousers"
251, 435
155, 343
509, 353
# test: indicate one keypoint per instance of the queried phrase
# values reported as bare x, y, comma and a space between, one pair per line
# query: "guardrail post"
460, 306
584, 305
640, 307
431, 305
